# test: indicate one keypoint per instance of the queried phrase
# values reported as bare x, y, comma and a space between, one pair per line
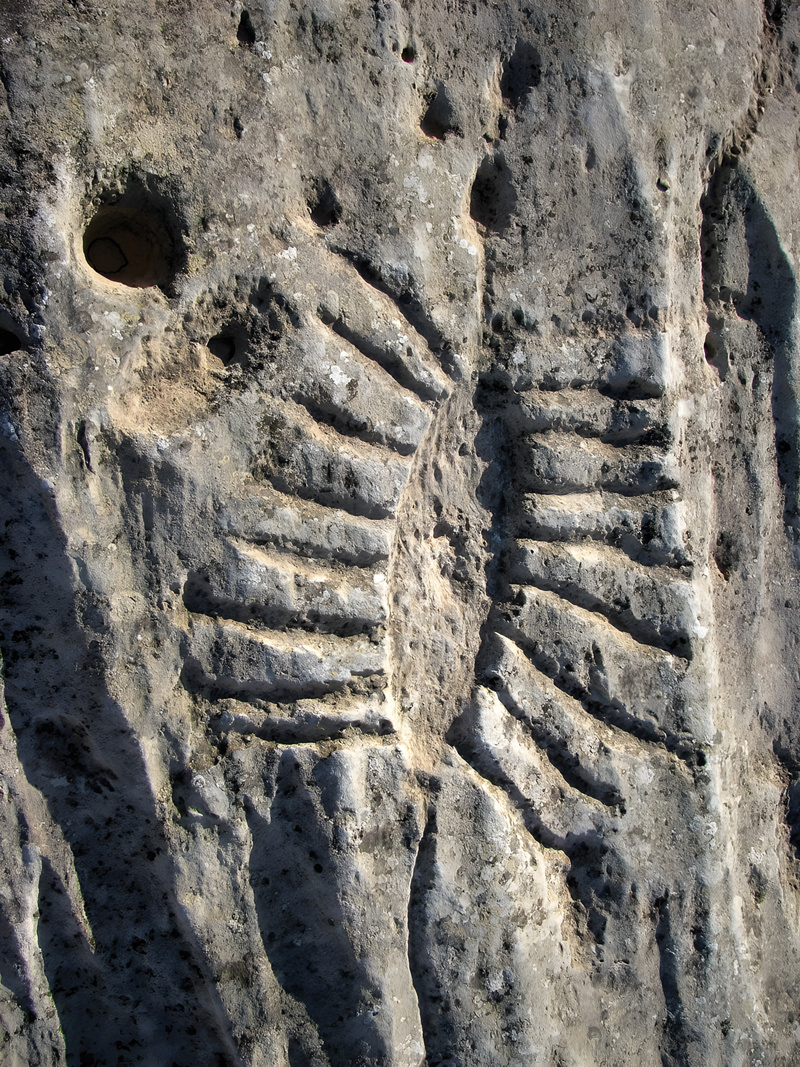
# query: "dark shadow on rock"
767, 296
76, 981
143, 993
771, 300
439, 1028
679, 1043
440, 116
494, 445
521, 73
493, 198
293, 874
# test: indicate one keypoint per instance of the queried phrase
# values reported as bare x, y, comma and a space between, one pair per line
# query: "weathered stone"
399, 453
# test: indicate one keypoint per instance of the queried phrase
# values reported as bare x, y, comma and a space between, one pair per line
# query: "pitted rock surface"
400, 533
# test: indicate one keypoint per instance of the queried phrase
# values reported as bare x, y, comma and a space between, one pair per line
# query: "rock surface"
400, 538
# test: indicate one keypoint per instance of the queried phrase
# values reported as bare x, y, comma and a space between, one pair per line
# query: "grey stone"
399, 462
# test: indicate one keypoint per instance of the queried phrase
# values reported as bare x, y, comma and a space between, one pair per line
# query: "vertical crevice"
438, 1038
72, 973
677, 1036
304, 927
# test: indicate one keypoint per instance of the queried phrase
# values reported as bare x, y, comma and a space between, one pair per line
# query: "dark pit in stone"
130, 245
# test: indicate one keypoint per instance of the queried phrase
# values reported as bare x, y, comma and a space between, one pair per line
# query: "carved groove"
593, 611
280, 629
402, 291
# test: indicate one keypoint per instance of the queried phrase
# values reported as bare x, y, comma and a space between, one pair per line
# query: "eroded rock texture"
400, 517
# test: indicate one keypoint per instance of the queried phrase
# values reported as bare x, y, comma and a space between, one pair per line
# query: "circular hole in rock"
223, 347
230, 345
130, 245
408, 55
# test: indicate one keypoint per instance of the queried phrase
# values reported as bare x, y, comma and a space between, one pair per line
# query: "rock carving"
398, 441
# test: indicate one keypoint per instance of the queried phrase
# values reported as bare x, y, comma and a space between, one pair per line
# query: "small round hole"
223, 347
408, 55
129, 245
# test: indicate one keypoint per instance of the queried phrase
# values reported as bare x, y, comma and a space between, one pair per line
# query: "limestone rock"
399, 452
